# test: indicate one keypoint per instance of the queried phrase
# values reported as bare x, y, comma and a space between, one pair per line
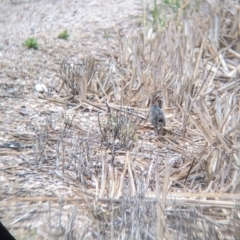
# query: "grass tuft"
119, 131
64, 35
31, 43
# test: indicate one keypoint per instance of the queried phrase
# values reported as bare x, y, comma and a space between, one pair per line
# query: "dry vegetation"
89, 165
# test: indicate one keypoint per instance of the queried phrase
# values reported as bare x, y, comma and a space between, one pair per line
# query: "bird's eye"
160, 120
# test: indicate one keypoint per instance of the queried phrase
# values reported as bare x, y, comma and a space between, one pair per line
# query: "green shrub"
64, 35
31, 43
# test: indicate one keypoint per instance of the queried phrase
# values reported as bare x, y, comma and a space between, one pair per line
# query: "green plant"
172, 3
119, 131
31, 43
155, 13
64, 35
160, 13
106, 35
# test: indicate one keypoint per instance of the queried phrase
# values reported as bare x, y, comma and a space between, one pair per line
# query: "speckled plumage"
156, 116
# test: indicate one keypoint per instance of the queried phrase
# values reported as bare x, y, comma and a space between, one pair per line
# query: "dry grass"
98, 170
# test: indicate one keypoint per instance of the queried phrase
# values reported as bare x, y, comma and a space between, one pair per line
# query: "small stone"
40, 87
24, 111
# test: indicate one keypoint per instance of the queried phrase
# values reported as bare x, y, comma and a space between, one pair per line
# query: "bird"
156, 115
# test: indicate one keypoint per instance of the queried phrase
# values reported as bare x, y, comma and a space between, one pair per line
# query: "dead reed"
183, 184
